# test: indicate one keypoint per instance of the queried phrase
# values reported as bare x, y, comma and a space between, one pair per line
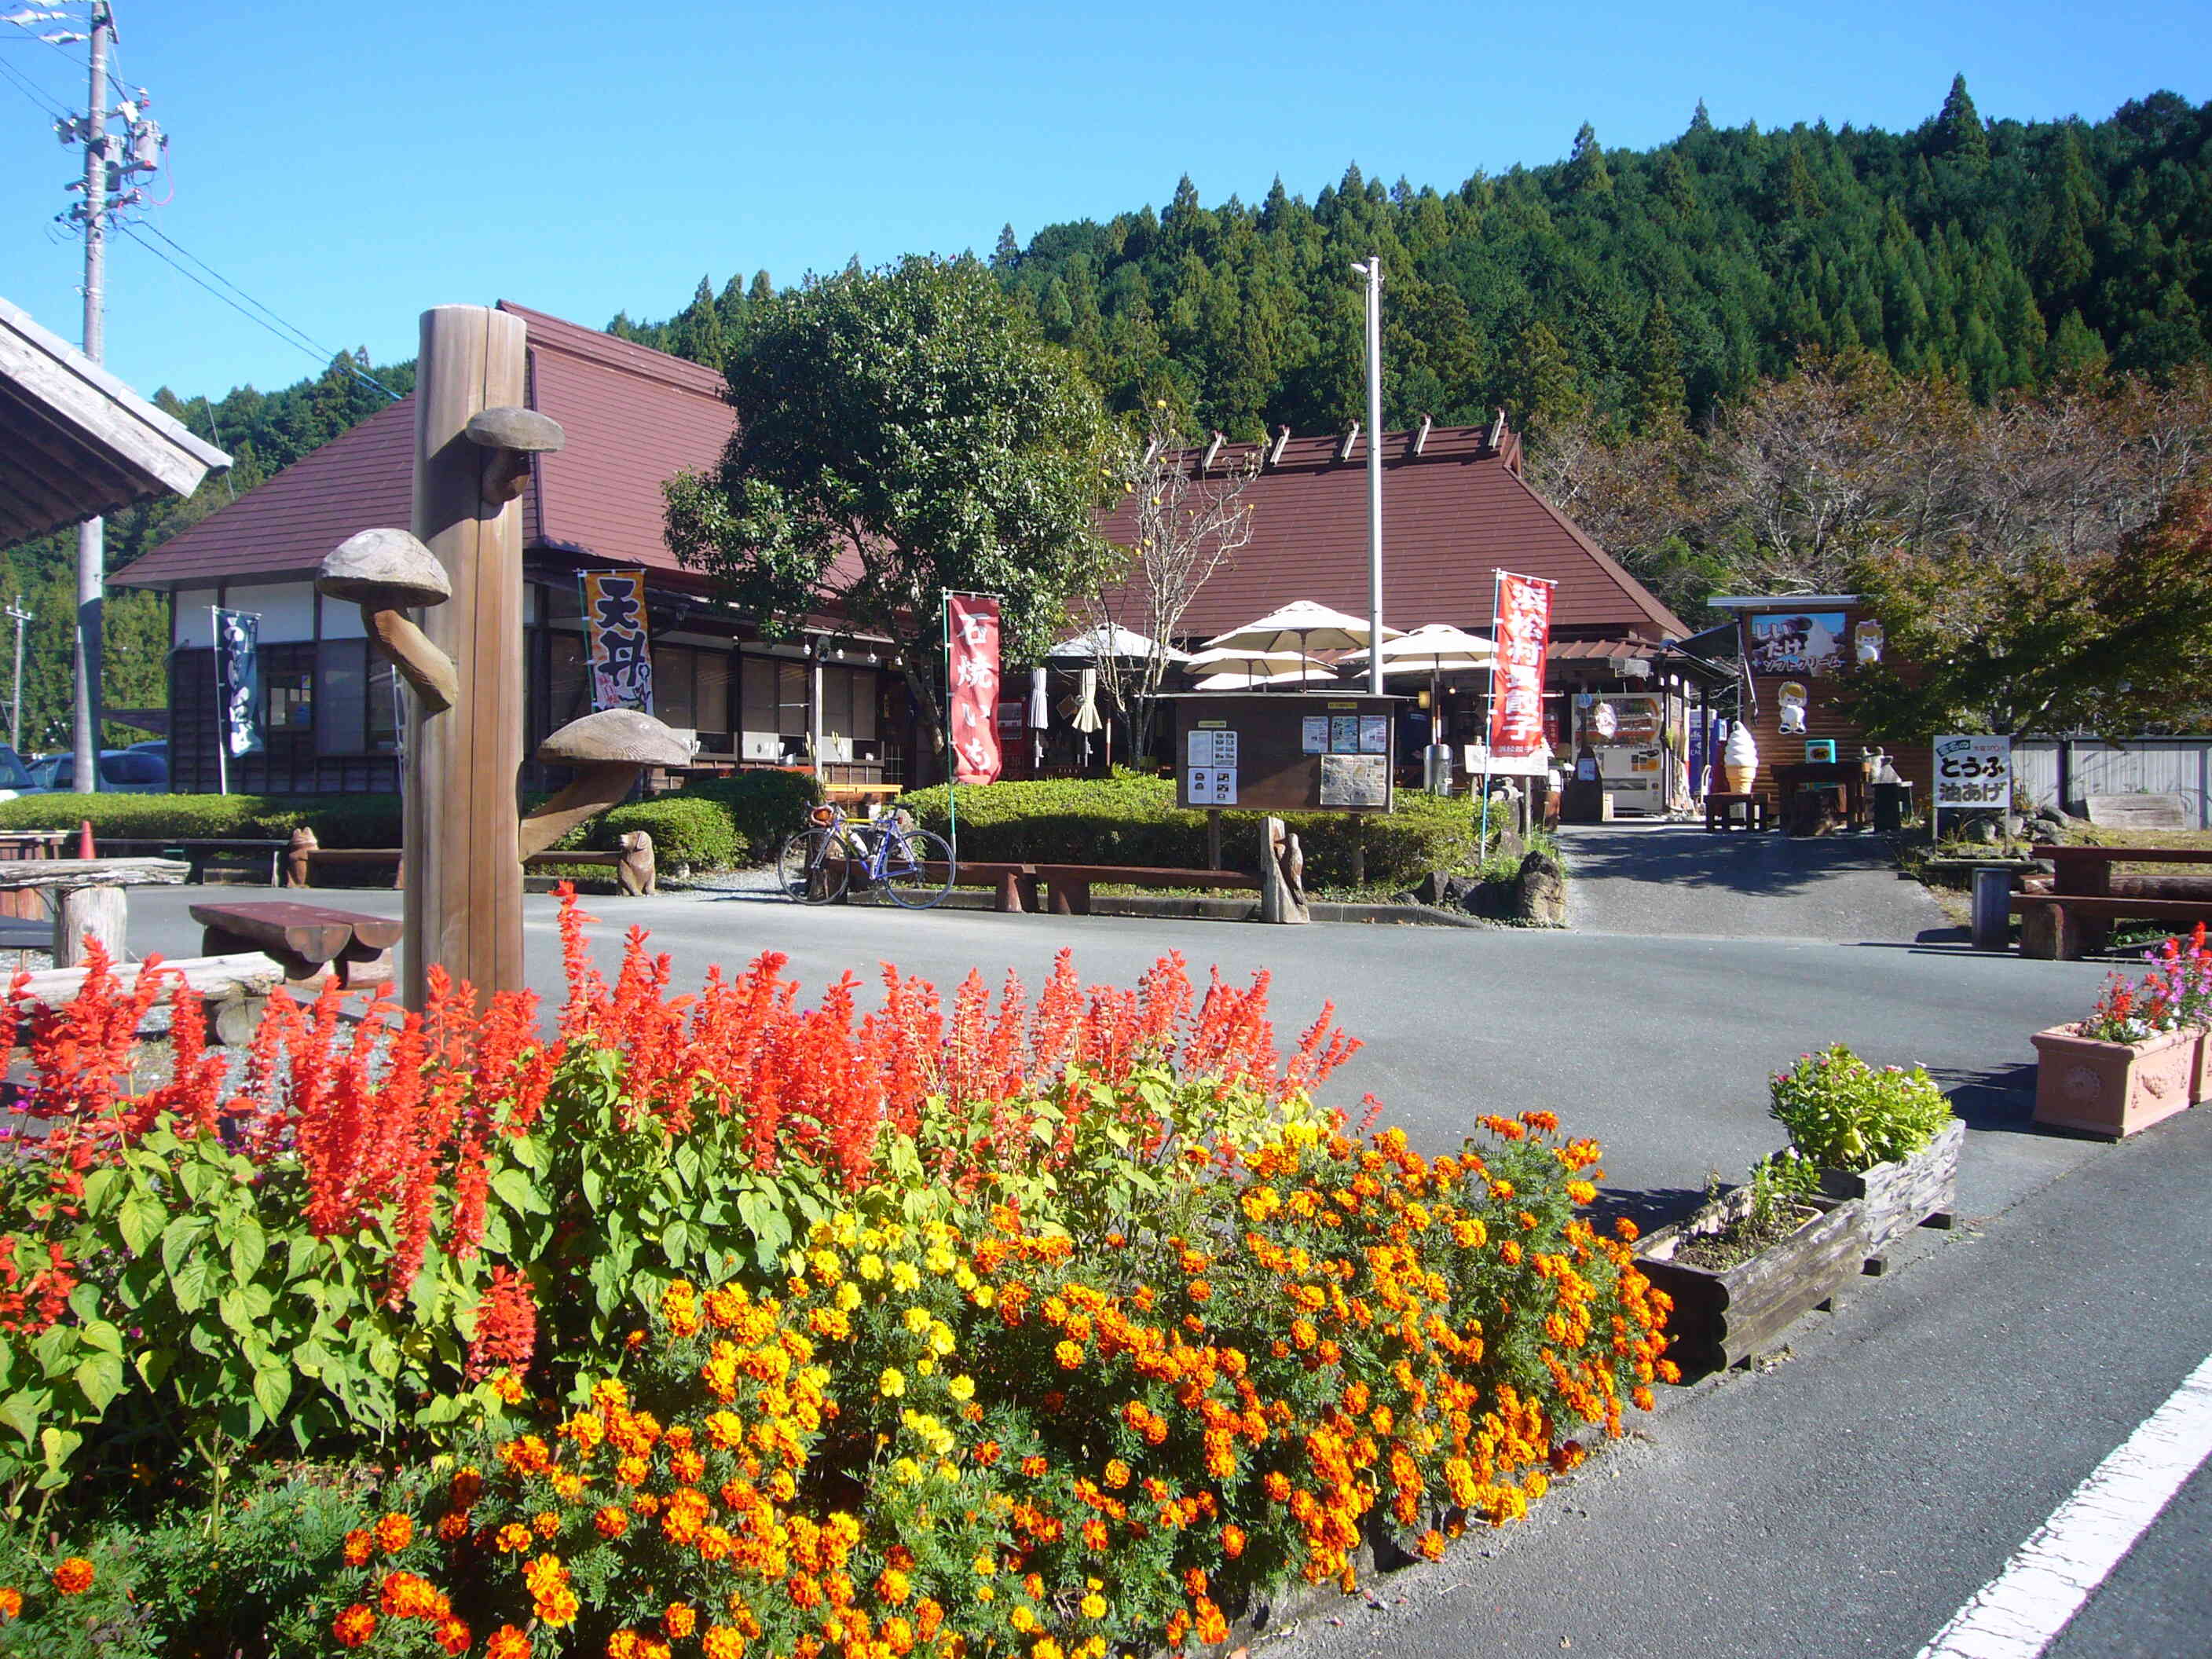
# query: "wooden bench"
233, 988
198, 851
1070, 884
2058, 926
635, 870
312, 943
1722, 810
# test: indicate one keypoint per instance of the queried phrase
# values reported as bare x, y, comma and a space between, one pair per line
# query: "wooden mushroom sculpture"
386, 573
608, 750
512, 436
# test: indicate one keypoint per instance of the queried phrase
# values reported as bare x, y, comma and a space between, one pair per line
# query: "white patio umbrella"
1430, 649
1304, 625
1085, 719
1117, 640
1233, 681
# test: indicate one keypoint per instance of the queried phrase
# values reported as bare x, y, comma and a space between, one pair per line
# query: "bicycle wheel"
918, 870
813, 867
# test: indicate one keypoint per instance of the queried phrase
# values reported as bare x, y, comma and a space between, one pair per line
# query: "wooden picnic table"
88, 896
2087, 894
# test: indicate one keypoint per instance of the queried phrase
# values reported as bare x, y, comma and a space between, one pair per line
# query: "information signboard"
1972, 771
1285, 751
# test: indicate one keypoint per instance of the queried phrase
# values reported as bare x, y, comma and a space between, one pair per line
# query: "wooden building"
634, 417
1802, 643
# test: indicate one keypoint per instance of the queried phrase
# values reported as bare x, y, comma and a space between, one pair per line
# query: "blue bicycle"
817, 864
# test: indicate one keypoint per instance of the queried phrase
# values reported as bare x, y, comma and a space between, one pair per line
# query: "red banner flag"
972, 714
1521, 627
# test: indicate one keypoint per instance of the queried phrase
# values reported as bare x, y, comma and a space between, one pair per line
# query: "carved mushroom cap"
521, 430
622, 736
385, 570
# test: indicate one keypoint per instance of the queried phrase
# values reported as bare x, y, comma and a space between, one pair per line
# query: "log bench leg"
1071, 898
1010, 894
300, 974
84, 913
1941, 1220
359, 966
1026, 885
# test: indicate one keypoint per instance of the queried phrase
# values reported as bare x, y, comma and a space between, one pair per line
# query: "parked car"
122, 772
41, 769
14, 776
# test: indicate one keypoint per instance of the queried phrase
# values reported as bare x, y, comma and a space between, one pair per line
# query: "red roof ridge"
553, 333
1320, 451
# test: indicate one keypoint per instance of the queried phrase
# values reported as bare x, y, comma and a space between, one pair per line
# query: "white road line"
2021, 1610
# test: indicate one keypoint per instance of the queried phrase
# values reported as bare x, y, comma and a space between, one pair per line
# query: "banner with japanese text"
621, 652
1522, 627
237, 680
971, 622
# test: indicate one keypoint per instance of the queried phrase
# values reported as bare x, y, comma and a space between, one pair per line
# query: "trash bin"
1437, 769
1892, 804
1992, 928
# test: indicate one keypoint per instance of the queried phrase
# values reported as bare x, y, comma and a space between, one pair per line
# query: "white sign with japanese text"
1972, 770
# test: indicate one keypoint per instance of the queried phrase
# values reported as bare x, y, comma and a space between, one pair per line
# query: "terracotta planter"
2114, 1089
1904, 1192
1729, 1317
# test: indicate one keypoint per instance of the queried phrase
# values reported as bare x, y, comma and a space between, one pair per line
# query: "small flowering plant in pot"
2140, 1056
1755, 1259
1885, 1134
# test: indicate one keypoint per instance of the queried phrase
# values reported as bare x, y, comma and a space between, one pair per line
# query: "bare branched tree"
1192, 516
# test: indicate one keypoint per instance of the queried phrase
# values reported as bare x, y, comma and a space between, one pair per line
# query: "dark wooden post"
463, 906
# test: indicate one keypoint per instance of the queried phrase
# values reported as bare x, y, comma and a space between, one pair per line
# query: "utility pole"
91, 535
1372, 269
15, 702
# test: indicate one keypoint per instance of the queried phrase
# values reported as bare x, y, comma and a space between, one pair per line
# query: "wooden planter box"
1728, 1318
2114, 1089
1904, 1192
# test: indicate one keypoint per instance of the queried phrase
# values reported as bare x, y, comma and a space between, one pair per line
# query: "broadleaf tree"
903, 432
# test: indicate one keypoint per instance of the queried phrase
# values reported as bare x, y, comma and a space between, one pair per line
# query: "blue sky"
351, 164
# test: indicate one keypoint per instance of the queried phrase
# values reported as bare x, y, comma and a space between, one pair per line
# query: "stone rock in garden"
1493, 899
1410, 895
1509, 844
1431, 888
1543, 892
1456, 889
1982, 830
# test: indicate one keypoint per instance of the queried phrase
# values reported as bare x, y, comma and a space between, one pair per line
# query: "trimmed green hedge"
1130, 819
337, 820
764, 804
685, 832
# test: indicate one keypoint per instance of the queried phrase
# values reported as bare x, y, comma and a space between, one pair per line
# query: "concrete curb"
1195, 909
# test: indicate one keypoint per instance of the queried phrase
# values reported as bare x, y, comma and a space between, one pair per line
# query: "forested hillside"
1635, 284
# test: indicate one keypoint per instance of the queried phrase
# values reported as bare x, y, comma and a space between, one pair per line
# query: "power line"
283, 330
32, 90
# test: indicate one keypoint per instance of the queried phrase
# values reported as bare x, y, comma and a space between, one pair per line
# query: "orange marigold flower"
394, 1533
987, 1453
454, 1526
1117, 1474
611, 1520
558, 1606
453, 1635
514, 1536
1193, 1581
1643, 1398
1069, 1354
679, 1621
1432, 1545
1033, 1466
11, 1602
507, 1643
1278, 1485
893, 1586
354, 1626
73, 1577
1625, 1230
1232, 1542
360, 1545
721, 1641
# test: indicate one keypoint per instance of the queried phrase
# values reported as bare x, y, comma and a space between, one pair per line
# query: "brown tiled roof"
1450, 517
633, 417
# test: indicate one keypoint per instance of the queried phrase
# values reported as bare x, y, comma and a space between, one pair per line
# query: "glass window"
790, 698
712, 709
288, 699
340, 717
674, 693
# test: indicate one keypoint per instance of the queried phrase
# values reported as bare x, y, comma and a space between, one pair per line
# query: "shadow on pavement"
1649, 1207
1759, 865
2001, 1099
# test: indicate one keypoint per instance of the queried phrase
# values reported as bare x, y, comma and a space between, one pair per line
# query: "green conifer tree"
1008, 252
1586, 170
1959, 133
1657, 402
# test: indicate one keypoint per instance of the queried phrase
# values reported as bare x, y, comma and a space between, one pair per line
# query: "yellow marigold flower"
870, 1266
916, 1319
845, 1297
891, 1384
1069, 1354
679, 1621
983, 1296
906, 1471
1093, 1606
721, 1641
905, 1277
960, 1388
940, 1338
964, 1277
985, 1566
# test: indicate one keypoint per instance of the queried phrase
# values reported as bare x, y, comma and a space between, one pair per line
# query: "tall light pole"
1372, 269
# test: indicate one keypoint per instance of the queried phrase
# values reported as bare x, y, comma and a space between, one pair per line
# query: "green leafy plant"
686, 832
1842, 1114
